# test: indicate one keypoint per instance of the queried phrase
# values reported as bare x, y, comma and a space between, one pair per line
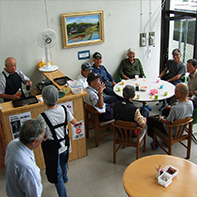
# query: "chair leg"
137, 151
144, 148
86, 124
114, 147
188, 147
87, 129
154, 140
96, 137
170, 149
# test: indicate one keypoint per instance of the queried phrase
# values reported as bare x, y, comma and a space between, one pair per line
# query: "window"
178, 29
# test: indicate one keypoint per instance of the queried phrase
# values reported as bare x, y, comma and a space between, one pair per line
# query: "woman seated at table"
125, 110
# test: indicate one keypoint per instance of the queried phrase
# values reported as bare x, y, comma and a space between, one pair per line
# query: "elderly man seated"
131, 66
106, 77
125, 110
95, 97
192, 80
173, 72
183, 109
86, 68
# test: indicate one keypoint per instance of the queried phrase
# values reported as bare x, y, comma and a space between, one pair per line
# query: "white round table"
145, 96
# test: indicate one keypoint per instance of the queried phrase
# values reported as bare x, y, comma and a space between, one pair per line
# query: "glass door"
178, 30
182, 36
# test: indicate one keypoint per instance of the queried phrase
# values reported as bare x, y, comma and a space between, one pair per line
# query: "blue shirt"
102, 71
22, 174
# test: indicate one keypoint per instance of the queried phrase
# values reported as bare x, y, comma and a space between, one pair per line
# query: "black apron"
50, 148
13, 83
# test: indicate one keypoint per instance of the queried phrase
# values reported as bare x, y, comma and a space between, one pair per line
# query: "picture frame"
82, 28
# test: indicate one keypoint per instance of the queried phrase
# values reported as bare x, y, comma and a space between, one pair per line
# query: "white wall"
22, 21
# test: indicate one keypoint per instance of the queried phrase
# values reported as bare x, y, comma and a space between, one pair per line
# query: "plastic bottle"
19, 93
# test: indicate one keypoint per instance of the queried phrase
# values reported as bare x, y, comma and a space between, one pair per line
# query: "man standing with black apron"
55, 148
11, 79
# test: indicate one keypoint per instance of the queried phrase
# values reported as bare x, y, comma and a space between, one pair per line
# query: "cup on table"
161, 86
137, 87
136, 77
166, 93
138, 96
118, 89
156, 96
123, 82
158, 80
157, 174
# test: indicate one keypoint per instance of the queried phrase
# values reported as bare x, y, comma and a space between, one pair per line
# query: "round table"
139, 177
145, 96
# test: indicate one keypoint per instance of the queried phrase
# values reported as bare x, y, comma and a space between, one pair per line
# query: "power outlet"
151, 40
143, 39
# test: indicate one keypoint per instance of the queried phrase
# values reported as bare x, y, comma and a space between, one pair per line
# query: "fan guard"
47, 39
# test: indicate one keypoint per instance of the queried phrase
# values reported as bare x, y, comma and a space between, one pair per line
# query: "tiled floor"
95, 175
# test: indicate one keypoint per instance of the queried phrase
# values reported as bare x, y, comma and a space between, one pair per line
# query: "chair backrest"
195, 116
180, 126
91, 109
92, 114
126, 128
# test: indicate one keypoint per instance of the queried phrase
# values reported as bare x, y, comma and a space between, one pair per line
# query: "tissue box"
165, 179
171, 170
75, 86
169, 173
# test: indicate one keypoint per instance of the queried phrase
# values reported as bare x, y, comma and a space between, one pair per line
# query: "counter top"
52, 76
8, 107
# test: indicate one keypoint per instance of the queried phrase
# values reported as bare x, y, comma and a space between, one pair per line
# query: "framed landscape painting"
82, 28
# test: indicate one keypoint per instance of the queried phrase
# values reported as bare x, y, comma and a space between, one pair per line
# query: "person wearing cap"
131, 66
173, 72
175, 68
11, 80
125, 110
106, 78
95, 97
192, 80
86, 68
56, 147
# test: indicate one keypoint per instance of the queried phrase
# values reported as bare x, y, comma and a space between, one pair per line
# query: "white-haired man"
131, 66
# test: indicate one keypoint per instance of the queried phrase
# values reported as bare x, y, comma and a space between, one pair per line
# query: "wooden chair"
194, 122
124, 137
181, 134
92, 116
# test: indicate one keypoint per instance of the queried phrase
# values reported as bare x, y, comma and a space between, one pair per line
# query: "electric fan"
47, 39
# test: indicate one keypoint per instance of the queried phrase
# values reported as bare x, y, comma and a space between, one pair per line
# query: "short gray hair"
128, 91
30, 130
50, 95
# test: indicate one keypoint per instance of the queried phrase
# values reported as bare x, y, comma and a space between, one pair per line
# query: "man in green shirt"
131, 66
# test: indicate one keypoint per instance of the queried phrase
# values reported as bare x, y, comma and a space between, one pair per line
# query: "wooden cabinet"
78, 147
